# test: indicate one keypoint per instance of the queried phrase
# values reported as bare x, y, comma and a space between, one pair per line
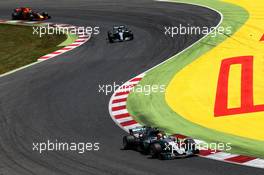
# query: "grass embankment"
19, 47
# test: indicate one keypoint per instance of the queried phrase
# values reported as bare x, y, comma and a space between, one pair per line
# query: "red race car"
25, 13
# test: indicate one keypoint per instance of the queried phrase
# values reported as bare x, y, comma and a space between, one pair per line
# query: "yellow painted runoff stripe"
222, 90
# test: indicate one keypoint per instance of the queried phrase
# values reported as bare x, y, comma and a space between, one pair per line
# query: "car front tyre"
155, 150
14, 16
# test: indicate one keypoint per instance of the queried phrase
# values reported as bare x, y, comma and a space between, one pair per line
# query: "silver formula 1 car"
119, 34
154, 142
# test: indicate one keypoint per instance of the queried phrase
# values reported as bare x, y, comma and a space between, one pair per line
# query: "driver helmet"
159, 136
26, 10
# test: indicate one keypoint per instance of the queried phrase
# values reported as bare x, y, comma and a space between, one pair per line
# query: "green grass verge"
153, 109
70, 39
20, 47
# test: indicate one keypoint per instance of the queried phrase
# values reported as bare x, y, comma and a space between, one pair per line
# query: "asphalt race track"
59, 98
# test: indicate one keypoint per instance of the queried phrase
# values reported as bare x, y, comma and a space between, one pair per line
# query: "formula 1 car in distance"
154, 142
25, 13
119, 34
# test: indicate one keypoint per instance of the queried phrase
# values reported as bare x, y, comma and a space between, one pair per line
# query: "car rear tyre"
110, 39
128, 141
46, 15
